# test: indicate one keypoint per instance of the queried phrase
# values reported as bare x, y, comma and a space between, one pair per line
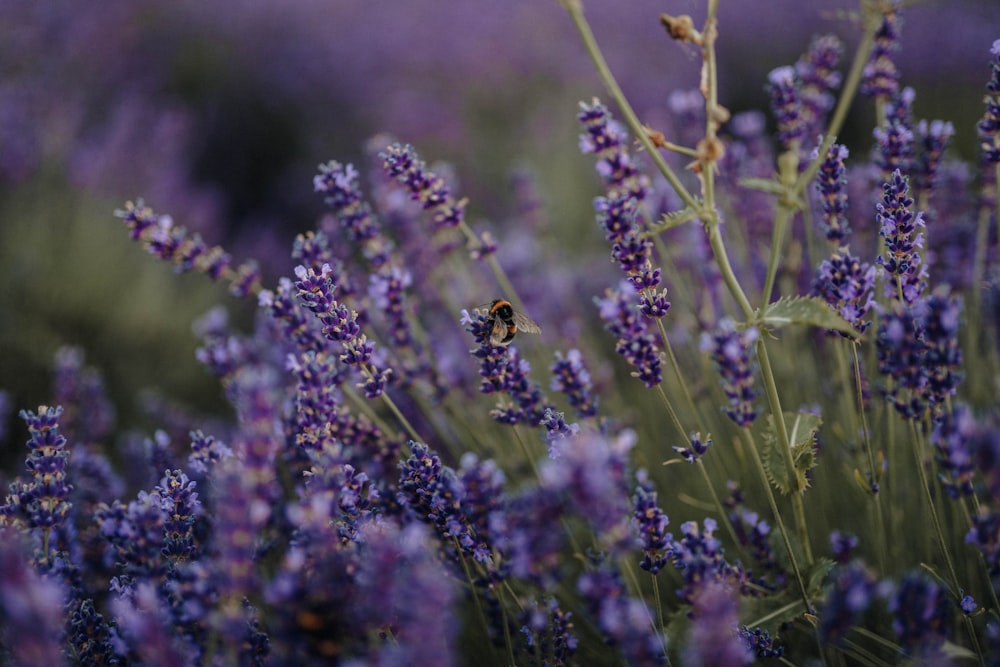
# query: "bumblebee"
505, 322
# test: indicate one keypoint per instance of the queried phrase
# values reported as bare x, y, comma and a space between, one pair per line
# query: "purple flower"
571, 378
238, 518
921, 611
547, 630
403, 164
403, 586
847, 285
590, 472
843, 546
339, 185
881, 74
786, 105
900, 349
985, 536
387, 289
696, 450
146, 630
761, 643
816, 70
556, 431
988, 128
433, 492
89, 635
484, 497
894, 140
503, 371
619, 312
619, 212
44, 497
89, 415
31, 607
934, 138
608, 141
849, 595
900, 227
182, 509
187, 251
753, 533
917, 347
714, 639
625, 621
698, 555
831, 183
617, 216
942, 315
730, 350
206, 450
650, 524
341, 324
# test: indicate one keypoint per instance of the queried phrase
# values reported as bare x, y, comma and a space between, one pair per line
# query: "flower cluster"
786, 105
918, 349
42, 501
650, 523
503, 371
424, 186
843, 281
619, 212
881, 74
187, 250
340, 324
904, 270
730, 351
988, 127
619, 312
571, 378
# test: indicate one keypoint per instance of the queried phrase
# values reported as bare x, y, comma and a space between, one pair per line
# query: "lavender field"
553, 332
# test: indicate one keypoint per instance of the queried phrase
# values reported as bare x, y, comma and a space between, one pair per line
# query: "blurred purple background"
219, 112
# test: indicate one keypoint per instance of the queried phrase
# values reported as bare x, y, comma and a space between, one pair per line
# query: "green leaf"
768, 185
671, 220
808, 310
816, 576
801, 428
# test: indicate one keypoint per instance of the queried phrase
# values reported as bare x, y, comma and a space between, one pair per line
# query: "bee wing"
498, 333
526, 324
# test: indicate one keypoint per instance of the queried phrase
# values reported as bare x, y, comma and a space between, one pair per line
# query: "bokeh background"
218, 113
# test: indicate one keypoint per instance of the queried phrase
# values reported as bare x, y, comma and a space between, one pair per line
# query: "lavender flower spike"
783, 87
900, 228
45, 496
832, 185
988, 127
619, 311
730, 350
403, 164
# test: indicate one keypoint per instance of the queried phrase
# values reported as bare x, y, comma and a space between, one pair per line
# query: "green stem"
771, 388
755, 455
575, 10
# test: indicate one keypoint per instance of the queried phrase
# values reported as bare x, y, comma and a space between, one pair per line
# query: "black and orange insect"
505, 322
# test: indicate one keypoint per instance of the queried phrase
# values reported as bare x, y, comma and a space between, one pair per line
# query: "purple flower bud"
730, 350
786, 105
881, 75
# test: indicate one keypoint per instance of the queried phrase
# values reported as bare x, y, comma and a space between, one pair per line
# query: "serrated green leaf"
671, 220
816, 576
807, 310
801, 428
